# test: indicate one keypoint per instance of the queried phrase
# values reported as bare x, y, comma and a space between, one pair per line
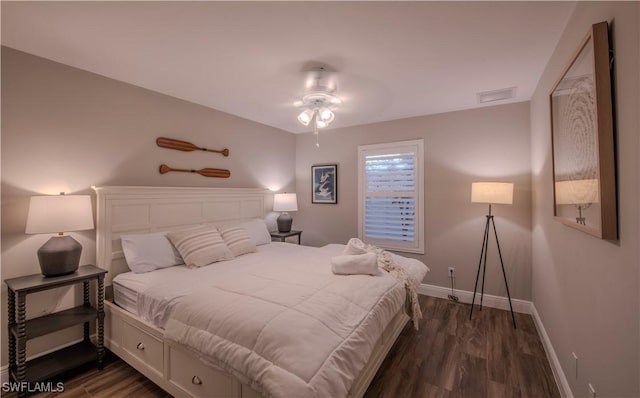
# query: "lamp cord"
452, 296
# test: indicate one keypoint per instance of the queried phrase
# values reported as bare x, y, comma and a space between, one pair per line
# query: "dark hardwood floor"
449, 356
116, 380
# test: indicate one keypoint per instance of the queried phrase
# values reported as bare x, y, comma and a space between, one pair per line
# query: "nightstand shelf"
57, 362
22, 330
60, 320
281, 236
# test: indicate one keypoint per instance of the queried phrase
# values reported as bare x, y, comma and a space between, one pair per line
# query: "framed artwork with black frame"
324, 184
582, 138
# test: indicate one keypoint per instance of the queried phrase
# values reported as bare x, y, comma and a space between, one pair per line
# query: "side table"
22, 330
284, 235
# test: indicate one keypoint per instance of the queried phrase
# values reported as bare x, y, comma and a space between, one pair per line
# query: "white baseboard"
489, 300
522, 306
4, 371
554, 362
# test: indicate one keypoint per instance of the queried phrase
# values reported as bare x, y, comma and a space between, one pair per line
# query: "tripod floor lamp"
490, 193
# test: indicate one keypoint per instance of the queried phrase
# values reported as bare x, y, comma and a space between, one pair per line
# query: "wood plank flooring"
448, 357
116, 380
451, 356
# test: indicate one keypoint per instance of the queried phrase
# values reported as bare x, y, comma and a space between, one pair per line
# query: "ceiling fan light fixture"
305, 117
326, 115
318, 102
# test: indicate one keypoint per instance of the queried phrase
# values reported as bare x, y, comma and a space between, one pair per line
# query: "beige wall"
484, 144
585, 289
64, 129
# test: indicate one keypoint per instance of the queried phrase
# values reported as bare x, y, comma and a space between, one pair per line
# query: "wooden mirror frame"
593, 123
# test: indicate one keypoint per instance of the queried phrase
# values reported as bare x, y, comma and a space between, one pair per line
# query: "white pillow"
200, 246
148, 252
257, 230
271, 220
238, 240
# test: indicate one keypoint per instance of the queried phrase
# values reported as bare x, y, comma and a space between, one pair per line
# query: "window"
391, 195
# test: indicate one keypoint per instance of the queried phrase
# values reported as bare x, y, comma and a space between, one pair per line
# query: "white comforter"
286, 325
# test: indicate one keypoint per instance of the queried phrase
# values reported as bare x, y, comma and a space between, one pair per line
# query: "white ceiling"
392, 59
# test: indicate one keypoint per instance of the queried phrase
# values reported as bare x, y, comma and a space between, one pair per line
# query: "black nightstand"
284, 235
22, 330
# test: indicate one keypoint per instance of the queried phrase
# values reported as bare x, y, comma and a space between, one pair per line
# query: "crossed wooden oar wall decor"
185, 146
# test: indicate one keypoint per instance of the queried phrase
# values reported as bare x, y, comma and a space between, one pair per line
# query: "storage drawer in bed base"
182, 374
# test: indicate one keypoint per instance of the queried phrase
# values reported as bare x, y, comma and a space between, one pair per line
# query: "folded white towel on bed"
364, 264
356, 246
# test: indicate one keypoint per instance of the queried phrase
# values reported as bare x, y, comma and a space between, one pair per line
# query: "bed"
155, 323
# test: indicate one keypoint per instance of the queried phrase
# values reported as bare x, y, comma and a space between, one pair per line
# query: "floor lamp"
490, 193
579, 193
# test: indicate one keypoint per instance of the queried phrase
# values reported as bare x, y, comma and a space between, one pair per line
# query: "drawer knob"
196, 380
140, 346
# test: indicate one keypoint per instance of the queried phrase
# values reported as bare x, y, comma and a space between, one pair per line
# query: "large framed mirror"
582, 139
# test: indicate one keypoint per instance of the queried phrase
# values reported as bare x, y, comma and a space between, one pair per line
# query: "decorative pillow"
238, 240
200, 246
257, 230
148, 252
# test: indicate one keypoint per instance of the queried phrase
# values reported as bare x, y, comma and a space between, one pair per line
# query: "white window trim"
363, 150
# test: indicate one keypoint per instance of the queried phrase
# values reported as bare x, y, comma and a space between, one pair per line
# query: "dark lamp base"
284, 222
59, 256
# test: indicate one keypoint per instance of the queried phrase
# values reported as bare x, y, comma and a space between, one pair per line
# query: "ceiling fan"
319, 101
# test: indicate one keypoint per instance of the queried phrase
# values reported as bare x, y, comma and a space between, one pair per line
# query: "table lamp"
62, 213
491, 193
285, 202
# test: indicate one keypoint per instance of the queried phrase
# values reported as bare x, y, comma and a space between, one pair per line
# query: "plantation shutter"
390, 213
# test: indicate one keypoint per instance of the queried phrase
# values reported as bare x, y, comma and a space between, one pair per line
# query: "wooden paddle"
185, 146
207, 172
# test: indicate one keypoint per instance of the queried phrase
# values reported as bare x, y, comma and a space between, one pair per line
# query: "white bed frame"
142, 345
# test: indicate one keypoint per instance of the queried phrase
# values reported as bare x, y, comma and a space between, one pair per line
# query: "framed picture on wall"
324, 184
584, 179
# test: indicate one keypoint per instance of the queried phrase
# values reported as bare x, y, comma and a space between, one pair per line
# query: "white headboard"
122, 210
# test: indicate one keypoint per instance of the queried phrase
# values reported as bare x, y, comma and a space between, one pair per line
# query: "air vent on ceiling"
496, 95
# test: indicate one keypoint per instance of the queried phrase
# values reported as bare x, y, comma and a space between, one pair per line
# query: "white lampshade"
305, 117
492, 192
285, 202
577, 192
326, 115
59, 213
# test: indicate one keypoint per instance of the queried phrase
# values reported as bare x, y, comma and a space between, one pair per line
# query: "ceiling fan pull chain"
315, 127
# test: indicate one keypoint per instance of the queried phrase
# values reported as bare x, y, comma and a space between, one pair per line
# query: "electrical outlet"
592, 391
452, 272
575, 363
